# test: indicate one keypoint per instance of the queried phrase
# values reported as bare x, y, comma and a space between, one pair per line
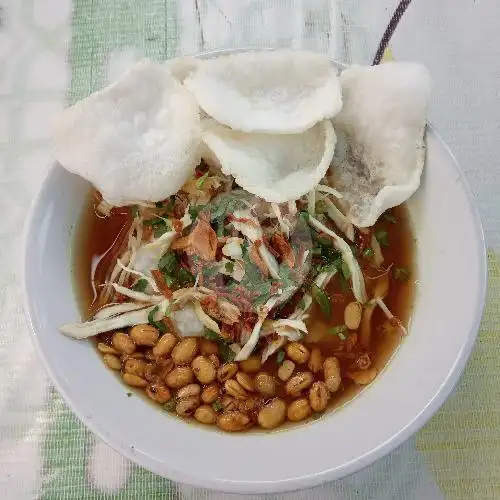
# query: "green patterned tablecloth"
54, 52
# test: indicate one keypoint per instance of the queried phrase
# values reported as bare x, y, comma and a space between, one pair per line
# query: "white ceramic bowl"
451, 289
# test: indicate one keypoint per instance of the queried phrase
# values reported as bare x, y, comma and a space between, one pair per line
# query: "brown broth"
93, 259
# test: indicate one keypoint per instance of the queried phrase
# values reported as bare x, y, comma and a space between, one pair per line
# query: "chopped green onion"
217, 405
229, 267
226, 353
390, 218
151, 315
302, 303
160, 325
168, 262
170, 205
368, 253
322, 299
134, 211
382, 237
201, 180
184, 277
211, 335
170, 405
320, 207
280, 357
400, 273
346, 272
194, 210
141, 285
339, 331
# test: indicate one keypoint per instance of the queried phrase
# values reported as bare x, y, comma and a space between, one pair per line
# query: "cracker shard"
278, 92
135, 140
381, 150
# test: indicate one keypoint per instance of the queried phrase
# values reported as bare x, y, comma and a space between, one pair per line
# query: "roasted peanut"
298, 383
331, 371
214, 359
227, 371
265, 384
134, 355
319, 396
148, 354
179, 377
165, 345
188, 391
205, 415
186, 407
184, 351
234, 389
144, 334
251, 365
352, 315
250, 404
228, 402
297, 352
158, 392
298, 410
233, 421
135, 367
272, 414
210, 393
363, 377
285, 370
123, 343
208, 347
245, 381
159, 369
203, 369
363, 362
112, 361
315, 360
106, 349
134, 380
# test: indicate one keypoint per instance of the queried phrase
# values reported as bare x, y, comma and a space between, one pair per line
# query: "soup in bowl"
250, 305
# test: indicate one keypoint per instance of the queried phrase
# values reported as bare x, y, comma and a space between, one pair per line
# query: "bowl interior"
450, 294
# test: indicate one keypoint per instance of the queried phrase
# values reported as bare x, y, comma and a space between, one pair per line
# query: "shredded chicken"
220, 309
283, 247
257, 259
202, 241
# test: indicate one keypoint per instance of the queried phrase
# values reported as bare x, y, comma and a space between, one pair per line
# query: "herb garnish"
172, 271
201, 180
320, 207
280, 357
339, 331
346, 272
140, 285
158, 225
217, 405
390, 218
170, 405
194, 210
226, 353
160, 325
322, 299
382, 237
368, 253
159, 204
400, 273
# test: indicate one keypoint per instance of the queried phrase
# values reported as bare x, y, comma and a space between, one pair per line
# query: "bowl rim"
300, 482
